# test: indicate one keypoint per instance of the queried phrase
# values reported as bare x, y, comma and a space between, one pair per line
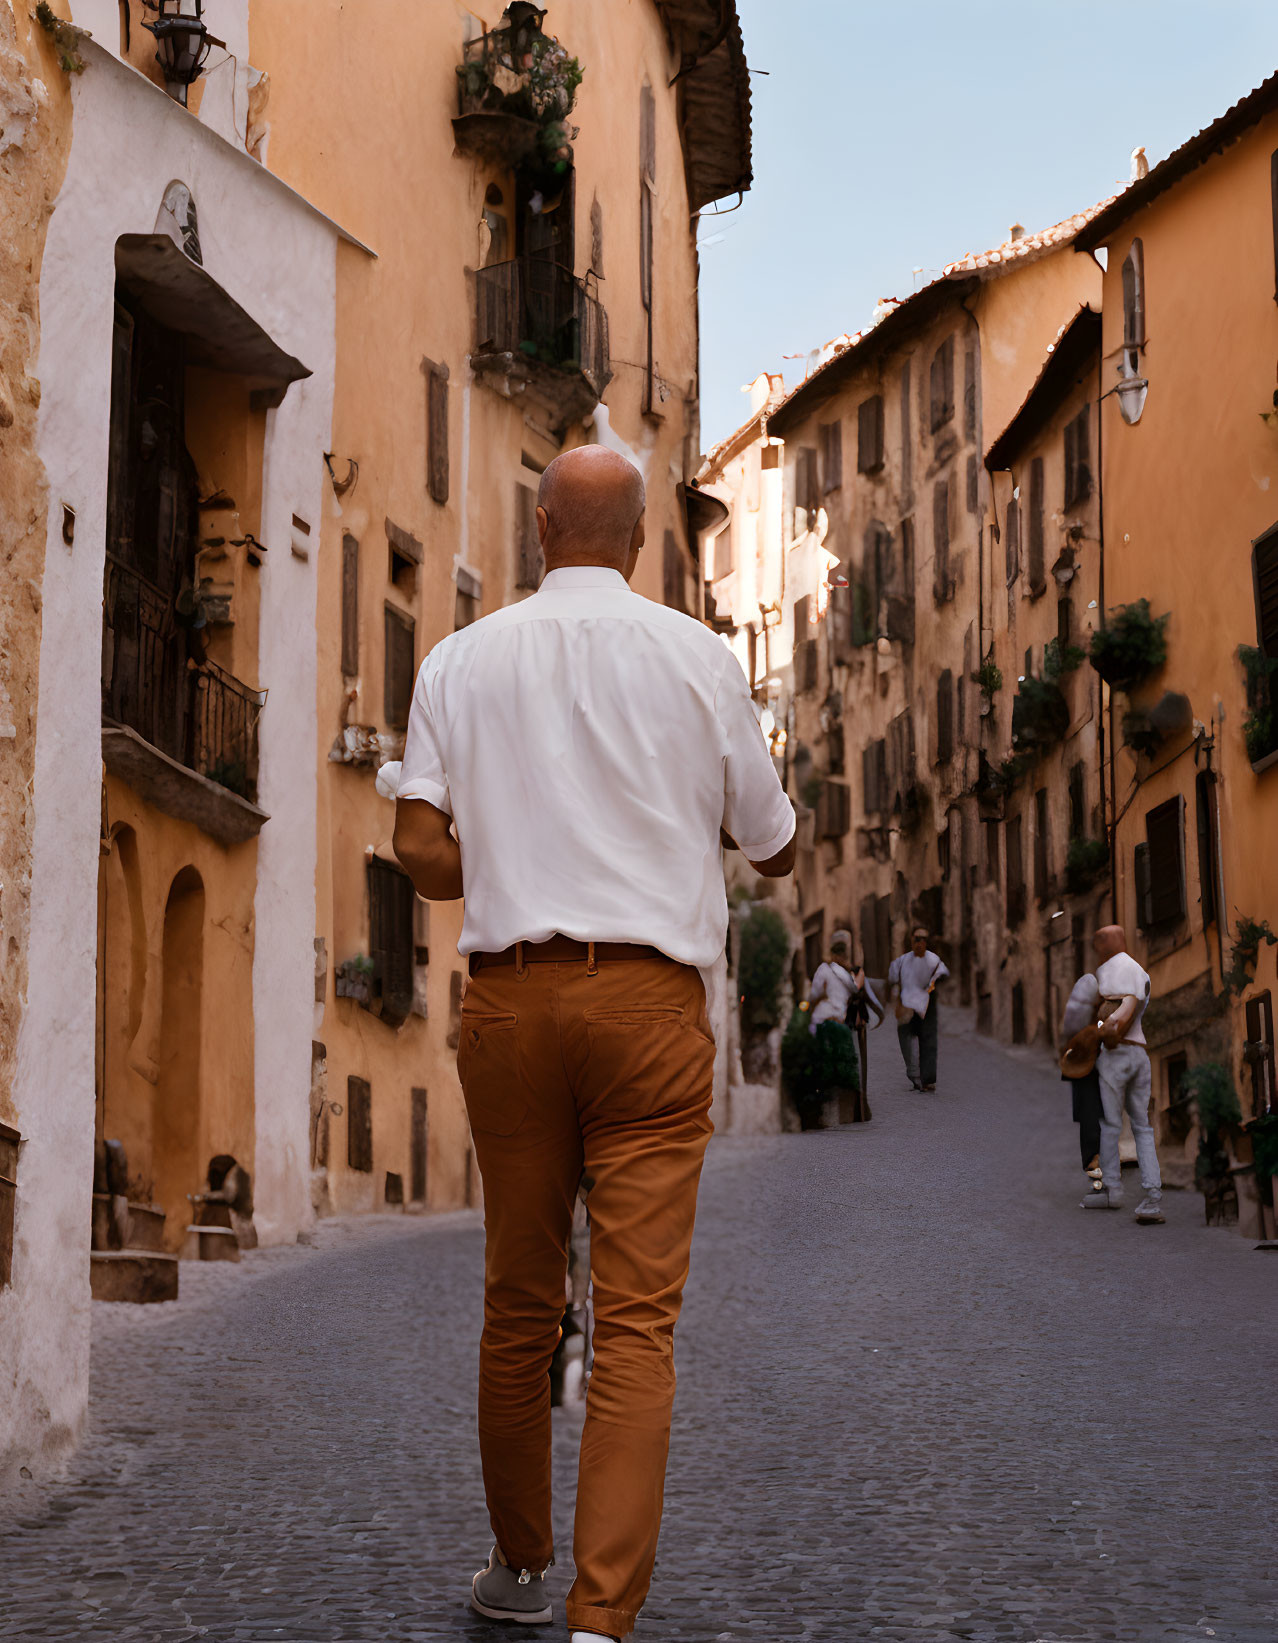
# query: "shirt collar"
584, 576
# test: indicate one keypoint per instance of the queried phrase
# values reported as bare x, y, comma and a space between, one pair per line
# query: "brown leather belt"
564, 950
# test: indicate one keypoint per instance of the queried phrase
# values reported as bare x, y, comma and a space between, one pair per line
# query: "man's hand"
1114, 1027
427, 851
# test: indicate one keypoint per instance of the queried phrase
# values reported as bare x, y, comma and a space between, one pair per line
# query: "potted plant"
1131, 647
1040, 715
1086, 861
354, 979
1211, 1089
1248, 935
763, 948
1260, 725
817, 1067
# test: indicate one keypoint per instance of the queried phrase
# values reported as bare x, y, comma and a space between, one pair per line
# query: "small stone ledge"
179, 792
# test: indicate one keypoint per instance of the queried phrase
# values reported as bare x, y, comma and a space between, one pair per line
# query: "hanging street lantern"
184, 40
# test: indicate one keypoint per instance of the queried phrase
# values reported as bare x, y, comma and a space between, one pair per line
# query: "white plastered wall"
277, 258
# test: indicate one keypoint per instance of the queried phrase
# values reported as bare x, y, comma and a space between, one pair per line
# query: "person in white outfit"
840, 992
1123, 1065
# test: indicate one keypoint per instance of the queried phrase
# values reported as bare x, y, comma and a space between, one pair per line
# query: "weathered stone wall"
35, 126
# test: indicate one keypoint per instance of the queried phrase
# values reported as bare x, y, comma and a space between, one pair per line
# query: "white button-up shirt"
588, 745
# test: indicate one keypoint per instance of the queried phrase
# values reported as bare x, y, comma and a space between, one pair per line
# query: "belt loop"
521, 969
592, 969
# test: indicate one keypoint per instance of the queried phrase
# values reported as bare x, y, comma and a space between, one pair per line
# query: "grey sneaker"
1150, 1208
500, 1593
1102, 1200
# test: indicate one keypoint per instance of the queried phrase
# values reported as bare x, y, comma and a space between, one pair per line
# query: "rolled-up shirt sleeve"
423, 774
756, 812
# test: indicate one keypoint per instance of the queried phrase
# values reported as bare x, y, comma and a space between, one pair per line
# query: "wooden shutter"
942, 384
674, 591
869, 431
883, 932
390, 937
1078, 459
419, 1136
350, 605
1042, 885
1165, 836
530, 565
869, 936
833, 811
1264, 571
436, 430
973, 484
807, 492
907, 437
941, 587
1204, 808
1259, 1052
1012, 542
1015, 870
359, 1124
1078, 801
1140, 880
944, 717
1134, 296
969, 393
400, 633
1037, 574
647, 214
835, 755
831, 456
805, 666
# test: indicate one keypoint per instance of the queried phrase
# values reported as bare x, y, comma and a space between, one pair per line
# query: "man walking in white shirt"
1123, 1065
587, 746
913, 977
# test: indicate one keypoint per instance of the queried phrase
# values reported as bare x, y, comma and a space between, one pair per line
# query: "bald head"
590, 510
1108, 940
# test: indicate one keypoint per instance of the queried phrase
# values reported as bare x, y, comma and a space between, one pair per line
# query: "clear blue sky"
889, 137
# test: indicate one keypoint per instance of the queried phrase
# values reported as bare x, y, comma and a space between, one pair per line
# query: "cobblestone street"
922, 1397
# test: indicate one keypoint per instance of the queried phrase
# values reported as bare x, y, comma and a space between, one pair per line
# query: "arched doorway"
176, 1125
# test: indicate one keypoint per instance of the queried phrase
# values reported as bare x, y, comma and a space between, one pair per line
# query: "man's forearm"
436, 874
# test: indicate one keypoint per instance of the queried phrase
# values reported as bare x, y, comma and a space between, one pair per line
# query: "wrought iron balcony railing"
540, 311
194, 711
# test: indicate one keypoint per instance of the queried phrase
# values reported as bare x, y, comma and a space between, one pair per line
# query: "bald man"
570, 763
1123, 1067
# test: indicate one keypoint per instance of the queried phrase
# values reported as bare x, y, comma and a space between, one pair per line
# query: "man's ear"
543, 525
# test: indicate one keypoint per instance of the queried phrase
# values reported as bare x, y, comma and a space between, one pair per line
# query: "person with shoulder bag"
913, 978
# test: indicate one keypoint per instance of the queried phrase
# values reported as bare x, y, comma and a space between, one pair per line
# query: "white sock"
590, 1637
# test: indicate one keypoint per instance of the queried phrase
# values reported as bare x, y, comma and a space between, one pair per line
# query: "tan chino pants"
605, 1080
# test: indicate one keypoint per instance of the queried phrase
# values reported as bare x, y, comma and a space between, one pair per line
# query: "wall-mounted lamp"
184, 40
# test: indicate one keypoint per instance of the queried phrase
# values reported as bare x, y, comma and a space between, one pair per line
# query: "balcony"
180, 730
541, 334
516, 86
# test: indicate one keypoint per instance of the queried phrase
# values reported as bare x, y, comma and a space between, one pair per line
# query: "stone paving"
922, 1398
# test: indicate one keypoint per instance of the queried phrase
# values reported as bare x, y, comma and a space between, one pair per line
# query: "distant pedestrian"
914, 978
841, 995
1123, 1065
1078, 1070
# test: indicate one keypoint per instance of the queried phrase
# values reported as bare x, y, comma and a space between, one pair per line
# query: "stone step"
212, 1215
210, 1244
110, 1221
132, 1275
146, 1227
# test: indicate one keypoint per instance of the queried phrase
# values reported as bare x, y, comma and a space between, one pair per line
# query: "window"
1042, 864
1064, 622
1037, 573
1078, 801
900, 758
1134, 302
1259, 1053
805, 666
466, 606
1159, 867
835, 753
1078, 458
1015, 870
942, 385
813, 941
1264, 572
973, 485
647, 212
530, 566
437, 429
405, 556
1012, 542
350, 606
833, 810
944, 717
943, 853
806, 492
831, 434
390, 937
359, 1124
802, 617
673, 574
874, 776
1205, 816
1018, 1013
869, 434
400, 667
596, 238
942, 585
990, 826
